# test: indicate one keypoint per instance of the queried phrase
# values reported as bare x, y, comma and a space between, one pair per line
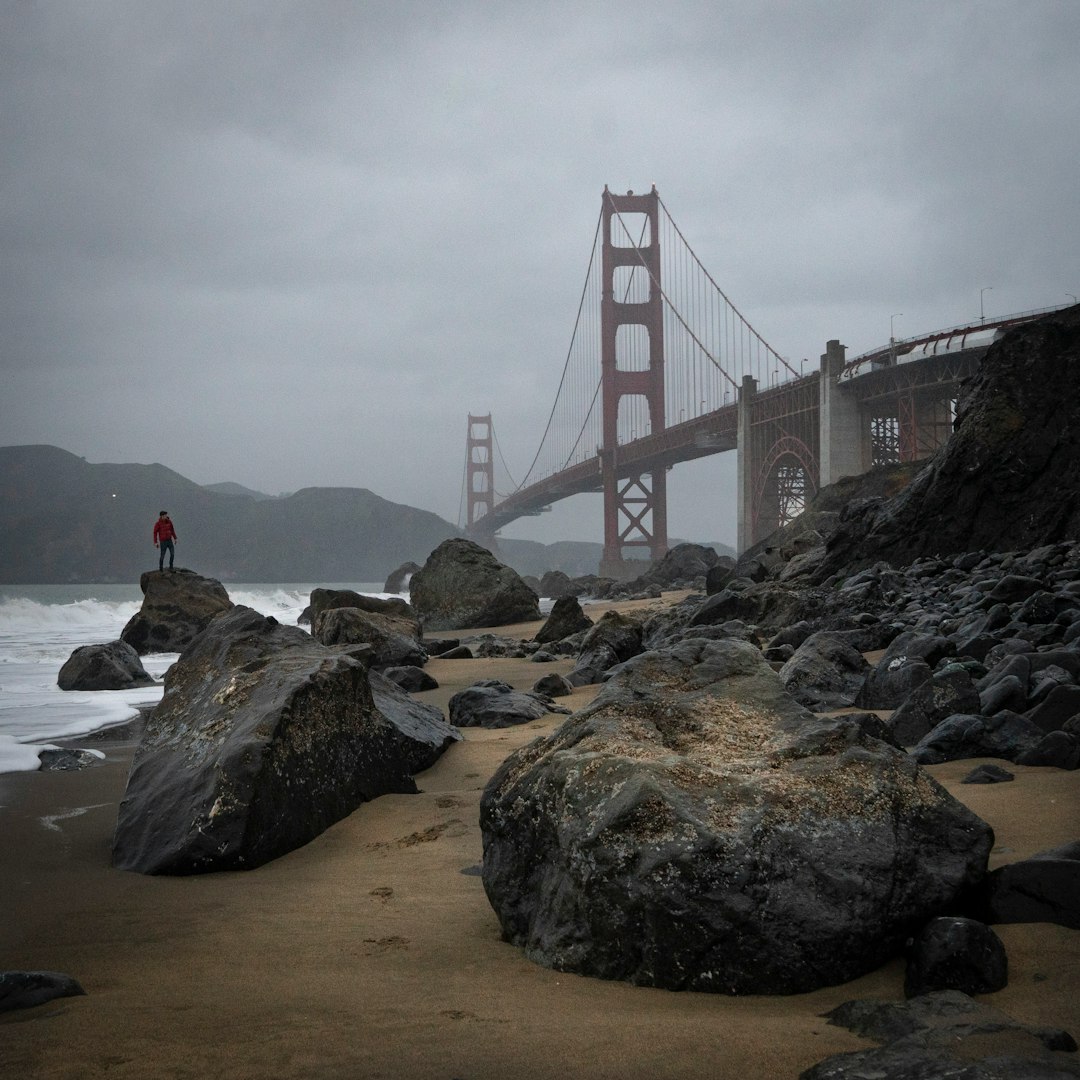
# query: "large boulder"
695, 828
683, 565
464, 585
391, 641
176, 606
114, 666
262, 740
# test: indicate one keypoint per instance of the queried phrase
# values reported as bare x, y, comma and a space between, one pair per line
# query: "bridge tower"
635, 506
480, 470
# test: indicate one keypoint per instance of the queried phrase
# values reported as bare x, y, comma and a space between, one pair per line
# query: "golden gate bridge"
663, 368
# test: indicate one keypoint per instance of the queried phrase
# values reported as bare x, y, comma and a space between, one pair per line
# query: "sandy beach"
372, 951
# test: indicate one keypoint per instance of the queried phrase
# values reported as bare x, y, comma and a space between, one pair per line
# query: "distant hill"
229, 488
63, 519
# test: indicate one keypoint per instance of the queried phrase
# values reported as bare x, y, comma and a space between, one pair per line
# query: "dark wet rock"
695, 828
394, 610
176, 606
988, 773
1057, 749
965, 735
825, 672
793, 635
420, 730
491, 703
1007, 692
26, 989
944, 694
553, 686
873, 727
566, 618
556, 584
394, 638
683, 565
1059, 706
953, 953
1044, 888
439, 646
913, 645
410, 678
262, 740
945, 1035
592, 665
463, 585
719, 575
458, 652
781, 654
615, 637
114, 666
542, 656
67, 759
892, 681
398, 581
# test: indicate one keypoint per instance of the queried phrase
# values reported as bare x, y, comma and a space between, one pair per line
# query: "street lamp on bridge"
984, 289
892, 336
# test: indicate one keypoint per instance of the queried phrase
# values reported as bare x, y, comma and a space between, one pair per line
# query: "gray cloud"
297, 243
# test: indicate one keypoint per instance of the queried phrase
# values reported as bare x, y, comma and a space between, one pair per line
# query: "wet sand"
372, 951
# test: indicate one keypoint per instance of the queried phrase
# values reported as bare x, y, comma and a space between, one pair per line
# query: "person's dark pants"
161, 558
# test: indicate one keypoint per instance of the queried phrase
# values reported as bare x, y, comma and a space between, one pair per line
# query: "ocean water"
40, 627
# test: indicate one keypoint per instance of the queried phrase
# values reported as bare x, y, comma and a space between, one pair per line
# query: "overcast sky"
296, 243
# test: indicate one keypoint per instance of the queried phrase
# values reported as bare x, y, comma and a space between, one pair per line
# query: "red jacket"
163, 529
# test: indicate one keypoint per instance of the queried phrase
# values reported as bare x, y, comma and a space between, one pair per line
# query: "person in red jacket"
164, 538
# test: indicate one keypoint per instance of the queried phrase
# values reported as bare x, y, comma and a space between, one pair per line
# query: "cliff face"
63, 519
1008, 477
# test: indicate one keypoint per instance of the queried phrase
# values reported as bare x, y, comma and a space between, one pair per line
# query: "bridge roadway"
712, 433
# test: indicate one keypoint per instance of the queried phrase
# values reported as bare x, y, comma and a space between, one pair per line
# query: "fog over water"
293, 244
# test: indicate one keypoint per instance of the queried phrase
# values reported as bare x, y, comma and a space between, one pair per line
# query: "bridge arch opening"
788, 480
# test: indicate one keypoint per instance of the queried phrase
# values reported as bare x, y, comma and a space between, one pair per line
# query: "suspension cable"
569, 353
727, 300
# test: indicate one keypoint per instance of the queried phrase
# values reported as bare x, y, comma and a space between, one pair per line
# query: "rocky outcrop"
945, 1036
262, 740
464, 585
1006, 479
695, 828
398, 581
114, 666
176, 606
